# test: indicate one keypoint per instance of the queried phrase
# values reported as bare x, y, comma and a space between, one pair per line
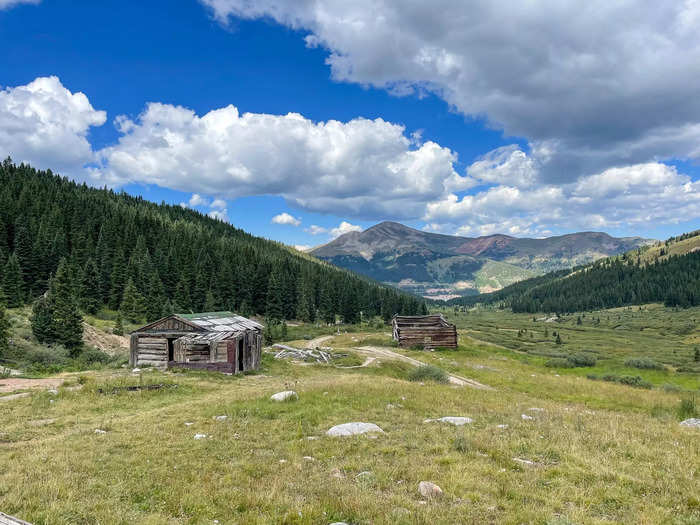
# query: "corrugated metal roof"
221, 321
208, 337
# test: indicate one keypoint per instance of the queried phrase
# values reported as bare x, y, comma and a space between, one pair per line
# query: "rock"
692, 422
136, 371
188, 423
526, 417
287, 395
364, 474
337, 473
283, 461
525, 462
338, 523
200, 436
100, 431
353, 429
535, 409
429, 490
52, 391
453, 420
312, 438
502, 426
309, 458
221, 418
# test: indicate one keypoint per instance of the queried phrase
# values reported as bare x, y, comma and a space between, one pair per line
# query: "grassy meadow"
588, 452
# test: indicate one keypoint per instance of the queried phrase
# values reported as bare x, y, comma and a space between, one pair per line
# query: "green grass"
428, 373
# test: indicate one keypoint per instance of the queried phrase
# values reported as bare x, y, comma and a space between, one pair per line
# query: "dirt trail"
378, 351
15, 383
315, 343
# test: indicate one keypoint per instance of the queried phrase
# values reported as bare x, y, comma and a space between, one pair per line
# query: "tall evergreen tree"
42, 320
67, 321
275, 298
133, 305
12, 283
4, 330
90, 297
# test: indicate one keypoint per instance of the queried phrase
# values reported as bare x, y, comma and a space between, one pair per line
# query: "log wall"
428, 337
151, 351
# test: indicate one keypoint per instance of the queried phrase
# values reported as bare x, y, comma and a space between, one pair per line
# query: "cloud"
302, 247
593, 85
221, 215
286, 218
44, 124
218, 204
6, 4
198, 200
632, 196
316, 230
343, 228
360, 168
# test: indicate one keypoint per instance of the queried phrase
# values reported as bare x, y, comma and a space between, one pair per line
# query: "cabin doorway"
240, 354
171, 350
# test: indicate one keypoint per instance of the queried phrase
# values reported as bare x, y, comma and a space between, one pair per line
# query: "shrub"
687, 408
635, 381
581, 359
559, 362
644, 363
428, 373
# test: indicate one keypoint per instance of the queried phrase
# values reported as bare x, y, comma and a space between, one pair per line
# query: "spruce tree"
118, 325
4, 330
696, 356
42, 320
90, 297
155, 298
12, 283
275, 297
132, 306
210, 304
67, 321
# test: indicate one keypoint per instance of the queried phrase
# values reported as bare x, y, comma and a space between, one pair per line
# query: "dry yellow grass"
618, 465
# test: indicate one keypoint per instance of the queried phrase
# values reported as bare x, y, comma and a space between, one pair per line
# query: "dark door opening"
240, 355
171, 350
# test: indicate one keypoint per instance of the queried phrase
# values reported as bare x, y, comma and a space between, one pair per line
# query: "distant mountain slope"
667, 272
443, 266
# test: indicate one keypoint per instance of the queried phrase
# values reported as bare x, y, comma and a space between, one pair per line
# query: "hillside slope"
149, 260
443, 266
667, 272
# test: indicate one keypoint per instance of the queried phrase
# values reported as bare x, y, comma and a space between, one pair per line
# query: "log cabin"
218, 341
426, 331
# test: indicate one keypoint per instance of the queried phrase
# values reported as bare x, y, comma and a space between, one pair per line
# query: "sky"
301, 120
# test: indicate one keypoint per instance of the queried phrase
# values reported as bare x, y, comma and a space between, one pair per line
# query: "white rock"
524, 461
354, 428
502, 426
338, 523
312, 438
52, 391
692, 422
136, 370
283, 461
337, 473
221, 418
309, 458
100, 431
364, 474
526, 417
535, 409
453, 420
200, 436
287, 395
429, 490
188, 423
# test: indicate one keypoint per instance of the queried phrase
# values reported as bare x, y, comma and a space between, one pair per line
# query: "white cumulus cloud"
597, 84
343, 228
315, 229
43, 123
6, 4
286, 218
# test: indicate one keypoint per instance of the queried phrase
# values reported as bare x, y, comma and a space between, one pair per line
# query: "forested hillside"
641, 276
148, 260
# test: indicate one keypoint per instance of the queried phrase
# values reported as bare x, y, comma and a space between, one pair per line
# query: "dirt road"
317, 342
387, 353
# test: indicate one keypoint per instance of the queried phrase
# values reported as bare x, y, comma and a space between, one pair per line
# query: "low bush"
428, 373
559, 362
635, 381
644, 363
687, 408
581, 359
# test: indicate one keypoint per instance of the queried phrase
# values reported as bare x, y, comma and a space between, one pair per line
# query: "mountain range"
441, 266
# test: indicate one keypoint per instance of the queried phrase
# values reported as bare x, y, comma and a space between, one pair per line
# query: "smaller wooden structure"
219, 341
428, 331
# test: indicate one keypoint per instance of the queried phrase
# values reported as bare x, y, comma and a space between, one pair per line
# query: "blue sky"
462, 146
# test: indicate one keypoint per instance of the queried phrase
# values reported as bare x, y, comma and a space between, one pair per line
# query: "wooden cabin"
427, 331
220, 341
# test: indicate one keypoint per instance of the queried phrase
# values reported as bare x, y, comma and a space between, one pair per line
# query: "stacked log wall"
151, 351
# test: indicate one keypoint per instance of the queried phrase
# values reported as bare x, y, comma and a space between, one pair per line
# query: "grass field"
600, 452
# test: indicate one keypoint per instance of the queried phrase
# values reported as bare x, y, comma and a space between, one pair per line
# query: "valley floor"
545, 445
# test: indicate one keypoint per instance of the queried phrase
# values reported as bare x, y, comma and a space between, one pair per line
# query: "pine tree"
275, 292
696, 357
12, 283
558, 340
67, 321
4, 330
90, 297
118, 325
42, 320
181, 301
210, 304
25, 253
155, 298
132, 306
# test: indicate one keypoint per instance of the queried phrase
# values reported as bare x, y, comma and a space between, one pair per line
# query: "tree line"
608, 283
66, 247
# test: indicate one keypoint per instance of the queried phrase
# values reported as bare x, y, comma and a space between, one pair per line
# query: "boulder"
200, 436
221, 418
692, 422
429, 490
287, 395
353, 429
525, 417
452, 420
